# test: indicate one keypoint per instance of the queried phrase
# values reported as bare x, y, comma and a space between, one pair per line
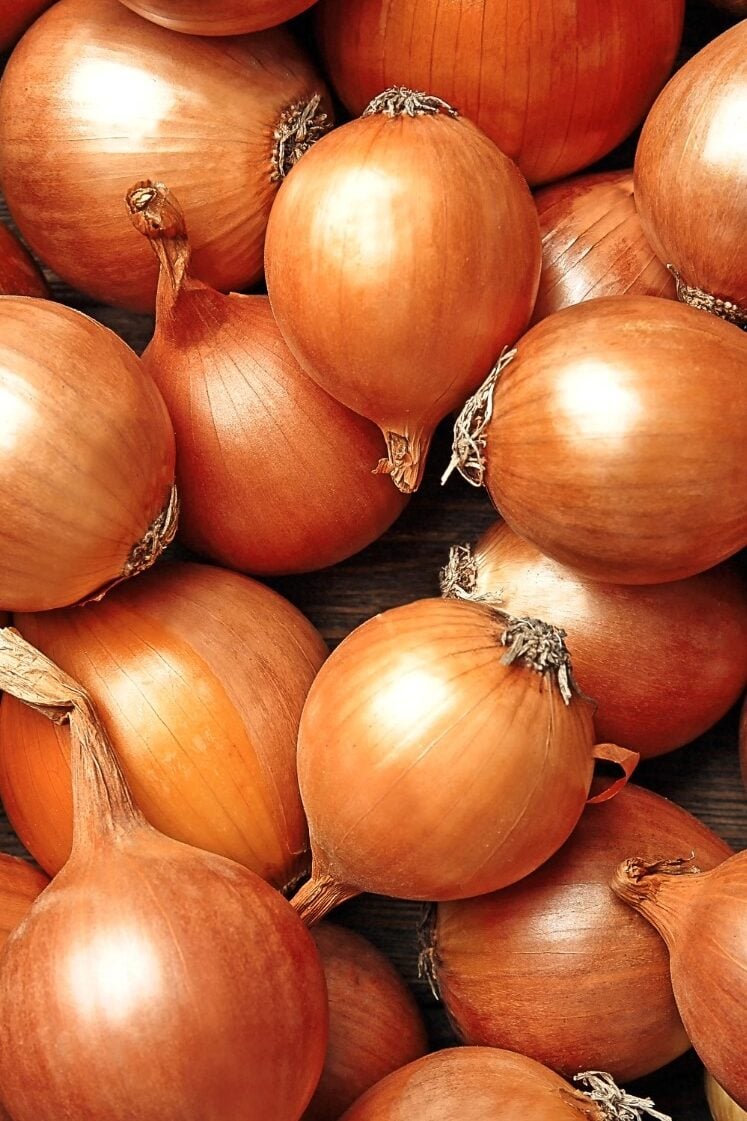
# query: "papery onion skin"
401, 330
690, 168
197, 113
87, 457
374, 1023
663, 662
222, 17
555, 84
555, 967
16, 16
19, 273
20, 883
200, 676
274, 475
645, 480
593, 244
720, 1104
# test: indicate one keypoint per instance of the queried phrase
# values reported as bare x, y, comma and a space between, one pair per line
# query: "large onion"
19, 273
20, 883
218, 17
200, 676
555, 83
219, 120
16, 16
86, 458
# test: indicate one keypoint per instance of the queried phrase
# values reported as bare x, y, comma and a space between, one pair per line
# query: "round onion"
555, 83
218, 17
86, 459
15, 17
593, 244
20, 883
274, 475
401, 328
547, 967
124, 98
614, 439
374, 1023
720, 1104
663, 662
19, 273
690, 174
200, 676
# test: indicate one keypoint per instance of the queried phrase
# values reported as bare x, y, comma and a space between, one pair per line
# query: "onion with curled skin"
19, 273
218, 17
20, 883
16, 16
220, 120
720, 1104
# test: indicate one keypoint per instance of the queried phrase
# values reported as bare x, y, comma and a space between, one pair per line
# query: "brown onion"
151, 980
663, 662
219, 120
702, 917
274, 475
613, 439
554, 83
16, 16
19, 273
20, 883
720, 1104
218, 17
86, 460
374, 1023
401, 326
200, 676
690, 176
555, 966
593, 244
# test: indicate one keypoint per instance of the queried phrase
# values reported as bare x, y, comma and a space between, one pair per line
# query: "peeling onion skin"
223, 17
546, 967
16, 16
87, 458
20, 884
19, 273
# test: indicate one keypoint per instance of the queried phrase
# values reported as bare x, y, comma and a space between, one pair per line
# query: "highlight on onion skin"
20, 883
16, 16
218, 17
200, 676
552, 101
548, 967
375, 1026
593, 244
19, 273
125, 99
720, 1104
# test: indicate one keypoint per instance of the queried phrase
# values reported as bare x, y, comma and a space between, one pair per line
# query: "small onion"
86, 458
218, 17
123, 99
593, 244
720, 1104
19, 273
274, 475
20, 883
548, 966
663, 662
612, 438
374, 1023
402, 328
690, 176
16, 16
200, 676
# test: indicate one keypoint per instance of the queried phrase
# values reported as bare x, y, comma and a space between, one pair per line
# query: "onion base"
405, 460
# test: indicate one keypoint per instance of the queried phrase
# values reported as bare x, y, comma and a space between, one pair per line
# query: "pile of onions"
219, 120
614, 440
720, 1104
15, 17
20, 883
151, 976
689, 176
200, 676
374, 1023
274, 475
420, 702
702, 917
555, 966
402, 328
593, 244
218, 17
19, 273
86, 460
556, 85
663, 662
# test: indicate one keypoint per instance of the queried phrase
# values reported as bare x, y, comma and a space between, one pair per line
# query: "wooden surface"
402, 566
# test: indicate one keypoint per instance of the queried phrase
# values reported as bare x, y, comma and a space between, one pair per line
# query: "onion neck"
320, 895
405, 460
614, 1104
704, 301
156, 214
662, 891
301, 124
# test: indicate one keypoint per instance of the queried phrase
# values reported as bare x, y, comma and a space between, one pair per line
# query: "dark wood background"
402, 566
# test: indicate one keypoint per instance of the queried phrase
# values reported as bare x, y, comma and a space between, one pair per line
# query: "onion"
221, 121
555, 83
273, 474
549, 966
224, 17
593, 244
15, 17
476, 1083
401, 257
702, 917
689, 177
422, 701
663, 662
86, 458
152, 979
614, 439
20, 883
374, 1023
19, 273
200, 676
721, 1106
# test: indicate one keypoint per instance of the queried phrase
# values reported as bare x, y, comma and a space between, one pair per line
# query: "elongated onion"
200, 676
219, 120
401, 328
19, 273
720, 1104
16, 16
218, 17
20, 883
274, 475
86, 458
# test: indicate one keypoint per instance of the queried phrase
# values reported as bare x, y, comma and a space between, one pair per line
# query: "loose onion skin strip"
222, 17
